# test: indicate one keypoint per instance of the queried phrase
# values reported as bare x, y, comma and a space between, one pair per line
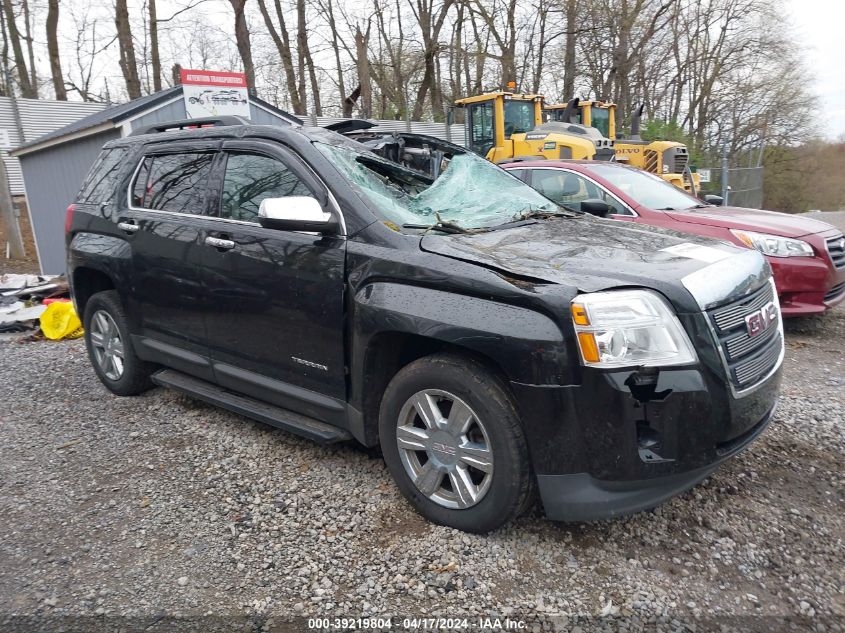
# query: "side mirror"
594, 206
713, 199
296, 213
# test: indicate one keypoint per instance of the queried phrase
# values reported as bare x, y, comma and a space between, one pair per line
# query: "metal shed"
55, 164
23, 120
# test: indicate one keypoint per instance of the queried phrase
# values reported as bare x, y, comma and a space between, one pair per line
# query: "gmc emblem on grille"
761, 320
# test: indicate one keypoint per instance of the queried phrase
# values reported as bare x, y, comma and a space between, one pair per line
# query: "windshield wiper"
446, 226
667, 209
539, 213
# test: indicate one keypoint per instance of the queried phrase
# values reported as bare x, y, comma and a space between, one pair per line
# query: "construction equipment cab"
667, 159
506, 125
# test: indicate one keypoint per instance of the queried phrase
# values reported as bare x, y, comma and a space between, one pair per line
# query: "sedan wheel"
445, 449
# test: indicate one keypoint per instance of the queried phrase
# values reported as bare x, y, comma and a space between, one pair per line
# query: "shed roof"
114, 115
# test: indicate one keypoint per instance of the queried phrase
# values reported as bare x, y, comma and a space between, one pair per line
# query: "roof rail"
190, 124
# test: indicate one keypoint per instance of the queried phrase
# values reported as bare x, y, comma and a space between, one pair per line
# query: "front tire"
453, 442
110, 348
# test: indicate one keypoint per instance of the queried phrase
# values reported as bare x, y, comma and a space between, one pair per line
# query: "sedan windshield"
646, 189
470, 193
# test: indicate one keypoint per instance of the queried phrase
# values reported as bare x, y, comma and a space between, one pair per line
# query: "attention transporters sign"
212, 93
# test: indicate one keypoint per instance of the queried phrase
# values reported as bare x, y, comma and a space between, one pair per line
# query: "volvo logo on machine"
758, 322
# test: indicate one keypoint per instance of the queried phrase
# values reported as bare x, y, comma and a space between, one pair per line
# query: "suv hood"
782, 224
589, 255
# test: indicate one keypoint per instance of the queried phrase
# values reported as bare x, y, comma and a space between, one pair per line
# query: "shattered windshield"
471, 192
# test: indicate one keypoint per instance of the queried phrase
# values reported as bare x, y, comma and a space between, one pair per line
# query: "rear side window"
173, 182
101, 184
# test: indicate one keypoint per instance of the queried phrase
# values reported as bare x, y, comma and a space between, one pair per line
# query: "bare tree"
430, 18
305, 60
53, 50
128, 65
569, 54
28, 88
362, 62
503, 33
282, 41
243, 44
155, 59
30, 48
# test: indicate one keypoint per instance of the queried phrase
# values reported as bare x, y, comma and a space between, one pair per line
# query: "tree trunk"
301, 40
127, 50
569, 50
305, 61
27, 22
154, 56
349, 102
53, 50
242, 40
363, 64
28, 91
282, 41
341, 85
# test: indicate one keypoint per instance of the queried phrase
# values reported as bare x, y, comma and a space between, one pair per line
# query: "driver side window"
570, 189
250, 178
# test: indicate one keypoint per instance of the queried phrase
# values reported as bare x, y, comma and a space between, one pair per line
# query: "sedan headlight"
622, 328
774, 245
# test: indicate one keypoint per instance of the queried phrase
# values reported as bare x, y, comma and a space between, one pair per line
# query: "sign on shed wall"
211, 93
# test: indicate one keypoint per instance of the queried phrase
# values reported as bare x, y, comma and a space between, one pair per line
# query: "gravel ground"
135, 511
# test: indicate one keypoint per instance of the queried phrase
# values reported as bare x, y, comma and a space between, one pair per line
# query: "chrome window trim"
205, 216
586, 177
740, 393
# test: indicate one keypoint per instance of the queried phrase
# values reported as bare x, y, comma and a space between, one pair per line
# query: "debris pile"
25, 298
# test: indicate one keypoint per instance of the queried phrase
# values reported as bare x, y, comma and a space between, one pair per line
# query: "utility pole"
725, 185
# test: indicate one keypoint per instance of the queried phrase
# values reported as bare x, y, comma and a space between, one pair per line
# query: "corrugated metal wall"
455, 134
38, 117
53, 177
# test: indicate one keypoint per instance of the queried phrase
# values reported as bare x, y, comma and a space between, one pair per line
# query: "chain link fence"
744, 185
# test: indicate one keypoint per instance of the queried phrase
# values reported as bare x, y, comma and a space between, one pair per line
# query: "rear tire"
453, 442
110, 347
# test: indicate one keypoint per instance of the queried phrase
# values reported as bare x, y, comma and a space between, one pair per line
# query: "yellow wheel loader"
503, 126
667, 159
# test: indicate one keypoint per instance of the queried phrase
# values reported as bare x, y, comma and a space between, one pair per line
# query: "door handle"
220, 244
129, 227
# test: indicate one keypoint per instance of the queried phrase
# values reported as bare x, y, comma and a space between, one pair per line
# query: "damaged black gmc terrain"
401, 291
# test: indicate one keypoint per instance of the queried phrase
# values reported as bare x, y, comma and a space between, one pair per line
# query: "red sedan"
807, 256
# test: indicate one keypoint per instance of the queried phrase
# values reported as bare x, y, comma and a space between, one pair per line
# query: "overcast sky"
821, 26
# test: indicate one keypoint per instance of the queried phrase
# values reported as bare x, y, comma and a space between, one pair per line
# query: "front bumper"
602, 448
581, 497
807, 285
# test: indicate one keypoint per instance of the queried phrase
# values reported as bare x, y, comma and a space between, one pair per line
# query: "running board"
250, 407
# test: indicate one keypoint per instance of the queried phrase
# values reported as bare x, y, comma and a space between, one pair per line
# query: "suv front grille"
747, 359
836, 249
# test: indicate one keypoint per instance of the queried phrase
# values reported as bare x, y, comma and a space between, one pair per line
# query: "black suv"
401, 291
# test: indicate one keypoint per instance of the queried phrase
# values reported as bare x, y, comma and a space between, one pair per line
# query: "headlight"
774, 245
622, 328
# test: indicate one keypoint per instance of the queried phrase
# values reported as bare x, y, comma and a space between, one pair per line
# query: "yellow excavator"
667, 159
502, 126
